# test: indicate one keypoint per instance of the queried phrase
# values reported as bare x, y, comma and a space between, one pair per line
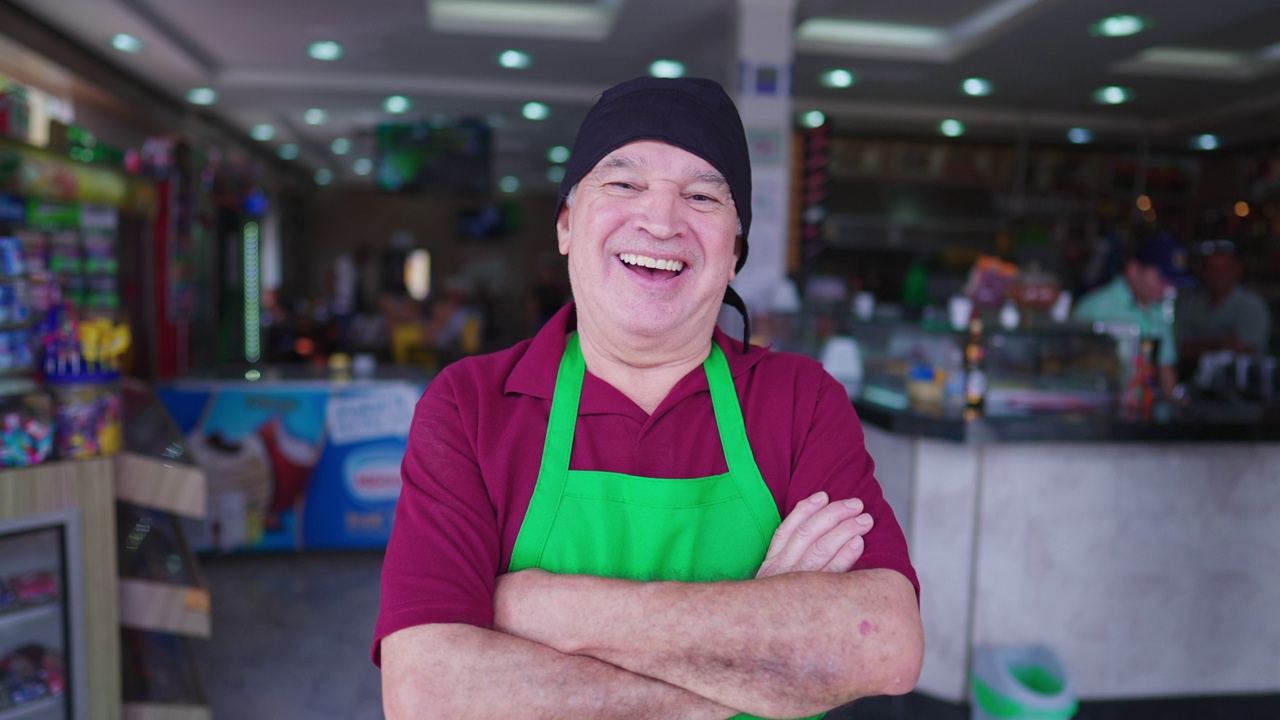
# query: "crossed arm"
802, 637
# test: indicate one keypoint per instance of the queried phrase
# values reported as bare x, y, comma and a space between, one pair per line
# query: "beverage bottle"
975, 374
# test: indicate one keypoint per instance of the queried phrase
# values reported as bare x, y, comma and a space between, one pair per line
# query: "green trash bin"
1021, 683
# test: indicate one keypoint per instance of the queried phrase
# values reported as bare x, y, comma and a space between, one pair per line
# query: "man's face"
650, 204
1220, 273
1147, 282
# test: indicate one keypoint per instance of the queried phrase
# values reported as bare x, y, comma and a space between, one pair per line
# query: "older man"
591, 522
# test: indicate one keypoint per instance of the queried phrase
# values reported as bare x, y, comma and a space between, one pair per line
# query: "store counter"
296, 458
1141, 551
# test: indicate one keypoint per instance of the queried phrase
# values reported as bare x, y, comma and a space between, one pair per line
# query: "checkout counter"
1140, 548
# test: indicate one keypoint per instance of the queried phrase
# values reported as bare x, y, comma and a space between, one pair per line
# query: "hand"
818, 535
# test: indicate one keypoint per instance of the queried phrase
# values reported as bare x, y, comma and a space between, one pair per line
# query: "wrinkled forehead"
652, 155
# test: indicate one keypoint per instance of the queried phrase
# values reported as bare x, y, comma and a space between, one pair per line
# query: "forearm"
462, 671
783, 646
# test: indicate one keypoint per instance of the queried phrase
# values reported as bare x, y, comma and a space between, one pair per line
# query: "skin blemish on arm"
866, 628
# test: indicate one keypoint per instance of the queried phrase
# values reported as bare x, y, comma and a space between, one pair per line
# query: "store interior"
227, 229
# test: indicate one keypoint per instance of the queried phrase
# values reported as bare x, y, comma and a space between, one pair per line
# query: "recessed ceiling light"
666, 68
836, 79
514, 59
263, 131
324, 176
977, 87
288, 151
1118, 26
951, 128
340, 146
510, 184
397, 104
558, 154
1112, 95
813, 119
202, 96
315, 116
1205, 142
1080, 136
324, 50
535, 111
124, 42
363, 166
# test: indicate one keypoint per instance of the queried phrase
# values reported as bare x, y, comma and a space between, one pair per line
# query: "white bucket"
1020, 683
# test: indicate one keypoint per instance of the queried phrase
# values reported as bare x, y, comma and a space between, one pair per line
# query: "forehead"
655, 155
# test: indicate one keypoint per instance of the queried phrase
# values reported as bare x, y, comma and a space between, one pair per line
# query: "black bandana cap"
694, 114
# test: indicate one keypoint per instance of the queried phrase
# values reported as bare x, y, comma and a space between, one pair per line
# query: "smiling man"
591, 522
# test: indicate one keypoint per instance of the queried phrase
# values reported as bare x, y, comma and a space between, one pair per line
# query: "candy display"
81, 368
31, 672
26, 429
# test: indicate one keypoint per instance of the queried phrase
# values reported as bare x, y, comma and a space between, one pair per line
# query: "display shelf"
161, 484
19, 617
35, 708
163, 711
165, 607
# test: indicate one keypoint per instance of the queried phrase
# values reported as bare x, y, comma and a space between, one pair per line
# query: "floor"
291, 636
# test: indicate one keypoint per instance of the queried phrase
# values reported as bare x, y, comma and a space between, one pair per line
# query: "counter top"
1204, 422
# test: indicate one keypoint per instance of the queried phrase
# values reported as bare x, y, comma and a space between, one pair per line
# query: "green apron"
639, 528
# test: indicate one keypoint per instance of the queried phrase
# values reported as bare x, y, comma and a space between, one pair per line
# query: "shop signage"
13, 210
98, 217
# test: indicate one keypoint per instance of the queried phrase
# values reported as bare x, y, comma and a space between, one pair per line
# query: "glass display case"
923, 366
42, 663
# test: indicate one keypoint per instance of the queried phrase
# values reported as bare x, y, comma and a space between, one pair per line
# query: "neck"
644, 371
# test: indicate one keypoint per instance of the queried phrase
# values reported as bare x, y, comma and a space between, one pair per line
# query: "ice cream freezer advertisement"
294, 465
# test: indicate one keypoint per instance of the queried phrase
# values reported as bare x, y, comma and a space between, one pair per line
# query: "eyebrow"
623, 162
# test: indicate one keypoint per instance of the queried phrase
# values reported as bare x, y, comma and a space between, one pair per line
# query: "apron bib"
640, 528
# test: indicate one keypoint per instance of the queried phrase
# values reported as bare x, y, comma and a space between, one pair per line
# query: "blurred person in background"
1219, 314
1154, 268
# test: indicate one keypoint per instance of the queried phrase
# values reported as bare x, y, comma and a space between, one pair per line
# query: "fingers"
818, 535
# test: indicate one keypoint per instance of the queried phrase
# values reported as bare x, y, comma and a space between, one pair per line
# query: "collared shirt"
1114, 302
476, 444
1242, 313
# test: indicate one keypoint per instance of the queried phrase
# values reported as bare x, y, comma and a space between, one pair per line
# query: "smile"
644, 261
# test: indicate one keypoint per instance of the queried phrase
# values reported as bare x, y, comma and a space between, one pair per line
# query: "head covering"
1164, 254
694, 114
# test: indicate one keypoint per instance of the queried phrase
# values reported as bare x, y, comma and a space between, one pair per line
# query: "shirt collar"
535, 373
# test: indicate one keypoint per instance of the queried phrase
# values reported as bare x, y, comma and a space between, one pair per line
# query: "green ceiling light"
324, 50
951, 128
509, 184
263, 132
837, 78
315, 116
397, 104
1112, 95
324, 176
340, 146
362, 167
202, 96
288, 151
555, 173
1205, 142
977, 87
1080, 136
1119, 26
558, 154
666, 69
514, 59
813, 119
535, 111
126, 43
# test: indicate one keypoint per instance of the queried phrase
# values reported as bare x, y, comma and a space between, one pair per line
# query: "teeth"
645, 261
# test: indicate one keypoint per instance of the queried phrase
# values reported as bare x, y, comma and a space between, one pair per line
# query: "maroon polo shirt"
476, 444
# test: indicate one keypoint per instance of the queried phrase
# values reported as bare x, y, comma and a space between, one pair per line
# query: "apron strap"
737, 448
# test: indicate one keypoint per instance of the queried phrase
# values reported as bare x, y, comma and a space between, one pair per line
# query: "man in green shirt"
1142, 295
1220, 314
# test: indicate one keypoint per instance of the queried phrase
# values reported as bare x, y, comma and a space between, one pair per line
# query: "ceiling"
1201, 66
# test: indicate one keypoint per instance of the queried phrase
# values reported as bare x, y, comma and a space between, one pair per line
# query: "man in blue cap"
1154, 269
591, 522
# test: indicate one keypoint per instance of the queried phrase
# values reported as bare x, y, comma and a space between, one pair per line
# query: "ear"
562, 230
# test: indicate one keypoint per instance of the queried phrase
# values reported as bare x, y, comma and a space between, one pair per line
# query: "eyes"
698, 197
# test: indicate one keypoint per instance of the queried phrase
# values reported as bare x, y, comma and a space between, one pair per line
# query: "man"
1154, 267
1221, 315
590, 522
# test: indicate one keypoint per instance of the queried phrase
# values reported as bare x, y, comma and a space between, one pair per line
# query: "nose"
660, 214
